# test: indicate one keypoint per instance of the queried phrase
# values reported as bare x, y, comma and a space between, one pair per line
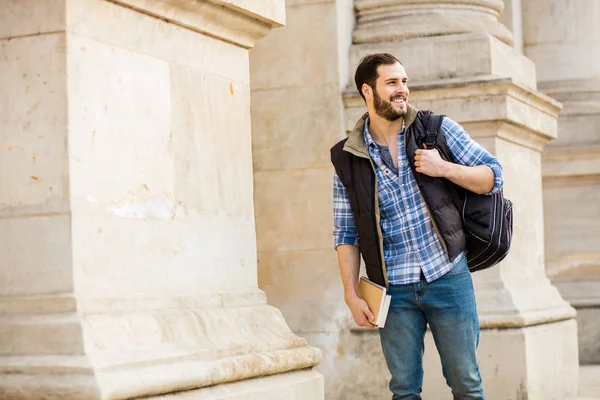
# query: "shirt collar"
367, 135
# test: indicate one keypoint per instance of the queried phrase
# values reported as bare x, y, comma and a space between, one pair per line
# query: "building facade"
520, 76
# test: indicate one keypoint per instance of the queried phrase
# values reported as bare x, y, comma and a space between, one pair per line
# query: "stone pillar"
512, 17
460, 63
127, 237
563, 38
298, 73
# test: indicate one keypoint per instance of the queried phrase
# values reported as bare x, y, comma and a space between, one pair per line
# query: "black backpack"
487, 220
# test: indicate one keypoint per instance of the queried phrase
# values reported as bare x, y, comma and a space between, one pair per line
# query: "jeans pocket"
460, 268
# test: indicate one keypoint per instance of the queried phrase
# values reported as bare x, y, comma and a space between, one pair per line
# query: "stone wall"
127, 233
563, 38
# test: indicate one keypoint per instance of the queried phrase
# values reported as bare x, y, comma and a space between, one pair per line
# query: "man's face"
391, 92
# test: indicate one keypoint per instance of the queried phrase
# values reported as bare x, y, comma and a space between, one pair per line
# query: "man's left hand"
429, 162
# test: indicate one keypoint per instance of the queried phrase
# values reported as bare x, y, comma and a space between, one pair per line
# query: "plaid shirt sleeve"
468, 152
344, 231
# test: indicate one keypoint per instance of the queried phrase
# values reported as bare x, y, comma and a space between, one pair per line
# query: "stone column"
460, 63
298, 73
563, 38
127, 237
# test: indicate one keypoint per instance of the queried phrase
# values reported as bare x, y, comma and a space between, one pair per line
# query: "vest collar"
356, 143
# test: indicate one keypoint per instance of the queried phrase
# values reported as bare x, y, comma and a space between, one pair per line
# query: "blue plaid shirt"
410, 243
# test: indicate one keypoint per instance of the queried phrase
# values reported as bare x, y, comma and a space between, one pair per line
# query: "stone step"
589, 382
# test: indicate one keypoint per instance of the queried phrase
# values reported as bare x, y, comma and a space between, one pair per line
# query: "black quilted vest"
357, 174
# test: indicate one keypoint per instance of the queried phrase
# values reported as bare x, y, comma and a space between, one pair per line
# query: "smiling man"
383, 213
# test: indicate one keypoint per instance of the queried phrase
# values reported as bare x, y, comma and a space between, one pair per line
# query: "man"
410, 238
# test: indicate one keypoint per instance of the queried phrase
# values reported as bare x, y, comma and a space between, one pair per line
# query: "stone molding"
509, 98
464, 55
247, 21
147, 347
392, 20
584, 293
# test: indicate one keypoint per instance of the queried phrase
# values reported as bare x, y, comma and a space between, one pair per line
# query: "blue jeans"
448, 305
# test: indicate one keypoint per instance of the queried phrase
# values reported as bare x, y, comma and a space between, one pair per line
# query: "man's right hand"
360, 311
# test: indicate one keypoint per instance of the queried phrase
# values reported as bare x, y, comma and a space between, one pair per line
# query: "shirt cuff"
498, 178
347, 239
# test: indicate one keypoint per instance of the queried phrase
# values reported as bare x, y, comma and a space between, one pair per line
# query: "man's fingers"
366, 324
368, 314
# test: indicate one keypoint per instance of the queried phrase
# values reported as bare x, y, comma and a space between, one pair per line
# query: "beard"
384, 108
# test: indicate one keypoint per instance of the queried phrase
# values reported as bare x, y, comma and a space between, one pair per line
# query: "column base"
535, 362
297, 385
149, 347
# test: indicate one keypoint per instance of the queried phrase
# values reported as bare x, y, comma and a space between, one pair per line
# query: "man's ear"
367, 91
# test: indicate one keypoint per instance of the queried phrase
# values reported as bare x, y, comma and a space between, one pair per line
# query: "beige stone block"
298, 215
559, 33
298, 136
560, 21
297, 385
35, 254
167, 119
576, 164
589, 336
453, 56
33, 128
41, 335
31, 17
571, 217
311, 60
119, 121
175, 257
512, 17
111, 24
577, 132
273, 10
211, 144
155, 352
240, 22
589, 383
306, 286
302, 3
555, 61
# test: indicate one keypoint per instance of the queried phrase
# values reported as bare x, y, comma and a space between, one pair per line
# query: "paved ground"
589, 382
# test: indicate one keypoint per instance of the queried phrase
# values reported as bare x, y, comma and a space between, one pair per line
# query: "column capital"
389, 20
241, 22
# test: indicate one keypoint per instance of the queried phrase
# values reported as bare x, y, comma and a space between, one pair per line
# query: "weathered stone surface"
558, 37
589, 335
31, 17
298, 385
128, 230
294, 216
392, 20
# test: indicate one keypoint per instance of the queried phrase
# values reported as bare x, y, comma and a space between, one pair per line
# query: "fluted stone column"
563, 38
460, 63
127, 237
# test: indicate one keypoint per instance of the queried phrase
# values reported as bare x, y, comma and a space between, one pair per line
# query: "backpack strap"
432, 127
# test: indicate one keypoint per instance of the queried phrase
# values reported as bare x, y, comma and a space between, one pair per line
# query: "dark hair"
366, 72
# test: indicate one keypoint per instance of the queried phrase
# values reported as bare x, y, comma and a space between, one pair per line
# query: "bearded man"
412, 242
